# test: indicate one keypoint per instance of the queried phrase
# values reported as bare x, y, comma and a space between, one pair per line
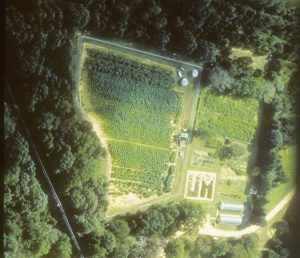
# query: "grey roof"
231, 206
229, 219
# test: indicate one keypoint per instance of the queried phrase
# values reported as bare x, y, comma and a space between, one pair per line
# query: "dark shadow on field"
292, 216
253, 149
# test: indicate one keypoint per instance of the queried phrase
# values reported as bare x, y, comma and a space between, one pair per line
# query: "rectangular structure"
229, 219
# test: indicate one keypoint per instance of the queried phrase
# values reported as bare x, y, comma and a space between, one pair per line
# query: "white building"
231, 206
184, 82
229, 219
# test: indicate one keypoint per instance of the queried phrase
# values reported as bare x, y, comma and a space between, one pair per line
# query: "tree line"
207, 247
29, 226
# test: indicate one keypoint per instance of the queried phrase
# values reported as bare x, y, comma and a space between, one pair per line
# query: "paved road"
137, 50
12, 99
208, 229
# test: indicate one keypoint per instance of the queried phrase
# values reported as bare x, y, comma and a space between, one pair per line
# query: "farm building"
184, 81
231, 206
185, 136
194, 73
252, 191
229, 219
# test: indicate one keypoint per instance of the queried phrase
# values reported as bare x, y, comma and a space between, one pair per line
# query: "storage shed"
229, 219
231, 206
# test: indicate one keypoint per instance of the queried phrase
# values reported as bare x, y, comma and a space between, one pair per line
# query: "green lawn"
288, 157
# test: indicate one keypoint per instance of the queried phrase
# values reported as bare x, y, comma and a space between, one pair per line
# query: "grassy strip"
288, 162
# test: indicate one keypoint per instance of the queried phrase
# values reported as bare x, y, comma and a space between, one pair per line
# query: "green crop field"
135, 103
228, 117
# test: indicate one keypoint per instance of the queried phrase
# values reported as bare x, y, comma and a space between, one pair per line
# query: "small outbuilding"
229, 219
179, 74
252, 191
184, 82
185, 136
231, 206
194, 73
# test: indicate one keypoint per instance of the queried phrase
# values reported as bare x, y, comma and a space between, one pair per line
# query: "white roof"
194, 73
229, 219
231, 206
184, 81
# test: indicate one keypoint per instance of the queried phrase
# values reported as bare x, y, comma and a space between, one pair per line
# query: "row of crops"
138, 157
151, 178
136, 104
124, 122
228, 117
239, 108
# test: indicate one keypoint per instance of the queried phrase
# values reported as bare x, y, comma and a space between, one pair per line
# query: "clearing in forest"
134, 101
259, 61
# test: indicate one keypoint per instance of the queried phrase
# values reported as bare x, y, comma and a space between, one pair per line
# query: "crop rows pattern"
229, 117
